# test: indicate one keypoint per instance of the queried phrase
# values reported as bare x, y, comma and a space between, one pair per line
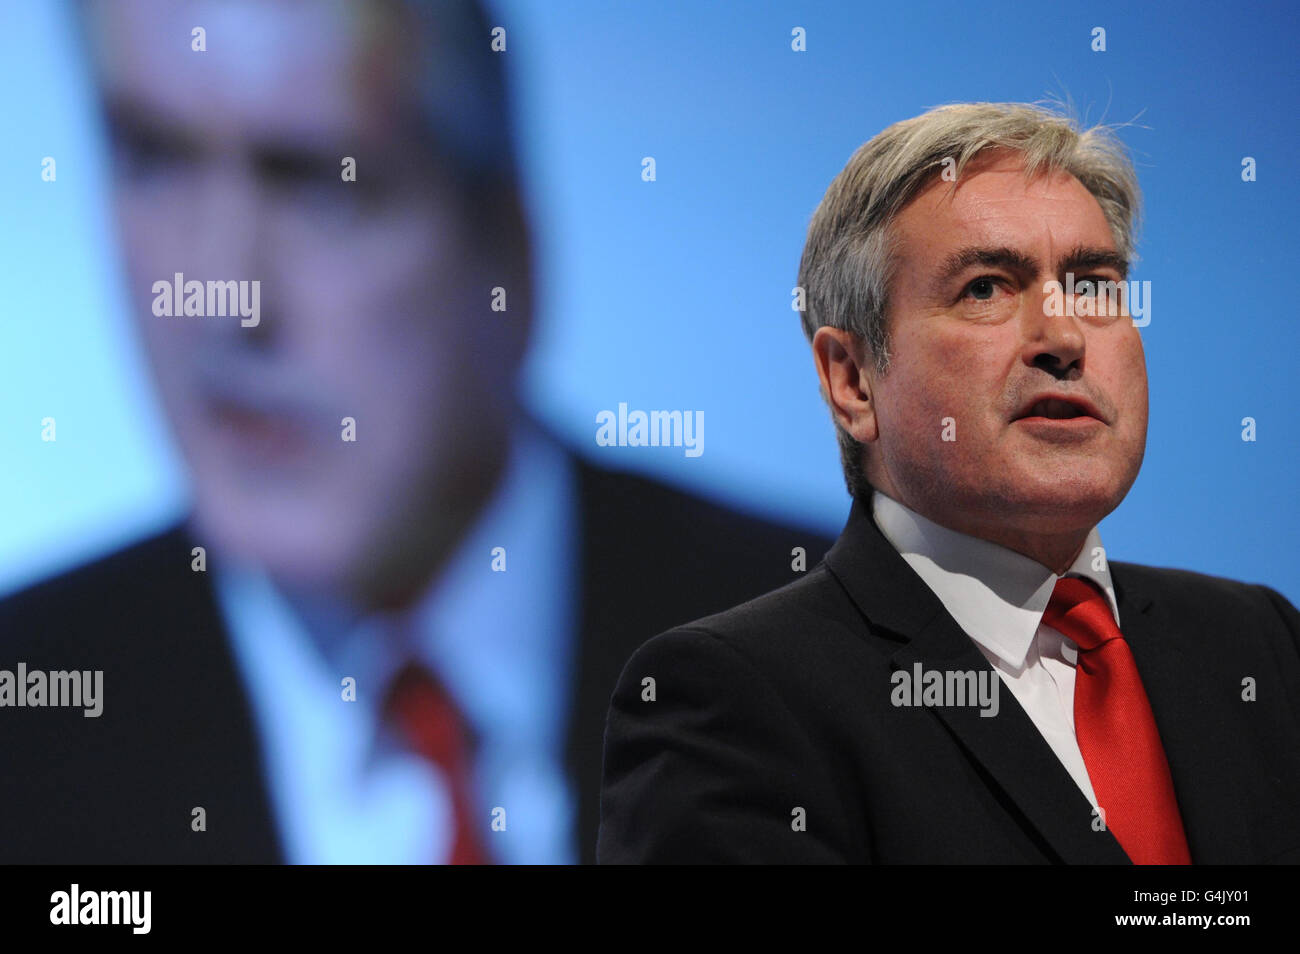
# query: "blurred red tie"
422, 710
1116, 729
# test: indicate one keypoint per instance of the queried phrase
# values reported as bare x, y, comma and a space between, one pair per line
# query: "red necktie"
428, 718
1116, 730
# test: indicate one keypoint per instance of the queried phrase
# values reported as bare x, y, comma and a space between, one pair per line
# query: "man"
987, 423
390, 628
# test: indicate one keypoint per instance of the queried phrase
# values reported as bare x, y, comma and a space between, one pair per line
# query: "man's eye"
1094, 285
315, 186
982, 289
142, 155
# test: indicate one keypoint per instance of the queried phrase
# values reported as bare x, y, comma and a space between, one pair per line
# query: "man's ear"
846, 377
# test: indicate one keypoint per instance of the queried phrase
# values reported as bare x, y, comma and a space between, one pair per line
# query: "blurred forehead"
275, 68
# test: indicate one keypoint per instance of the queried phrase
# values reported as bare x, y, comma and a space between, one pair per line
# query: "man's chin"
297, 551
1069, 505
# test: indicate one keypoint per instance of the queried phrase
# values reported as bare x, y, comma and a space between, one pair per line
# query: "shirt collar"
995, 594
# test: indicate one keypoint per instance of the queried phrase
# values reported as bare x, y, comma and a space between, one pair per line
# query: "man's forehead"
295, 70
994, 204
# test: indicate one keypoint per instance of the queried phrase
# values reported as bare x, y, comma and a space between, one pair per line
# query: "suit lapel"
1008, 747
1012, 751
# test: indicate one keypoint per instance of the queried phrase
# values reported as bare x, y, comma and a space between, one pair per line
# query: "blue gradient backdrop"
676, 294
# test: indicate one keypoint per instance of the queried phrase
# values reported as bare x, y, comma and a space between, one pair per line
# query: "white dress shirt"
343, 789
998, 597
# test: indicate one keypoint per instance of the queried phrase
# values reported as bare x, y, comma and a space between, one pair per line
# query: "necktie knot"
1079, 611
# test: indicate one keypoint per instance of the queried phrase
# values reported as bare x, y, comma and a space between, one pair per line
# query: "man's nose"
231, 243
231, 223
1053, 336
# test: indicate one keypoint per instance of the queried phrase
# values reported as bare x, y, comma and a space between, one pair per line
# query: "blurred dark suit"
176, 729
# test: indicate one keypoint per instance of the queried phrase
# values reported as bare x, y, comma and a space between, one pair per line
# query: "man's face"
973, 344
228, 166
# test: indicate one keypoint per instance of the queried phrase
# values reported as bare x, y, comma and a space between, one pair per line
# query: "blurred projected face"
228, 167
973, 343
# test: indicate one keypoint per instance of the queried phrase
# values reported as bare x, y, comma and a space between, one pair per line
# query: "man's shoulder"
782, 614
652, 556
617, 499
806, 631
121, 570
124, 587
754, 708
172, 718
1210, 615
1193, 591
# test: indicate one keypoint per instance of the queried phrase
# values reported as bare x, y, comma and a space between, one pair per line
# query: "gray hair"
849, 257
462, 84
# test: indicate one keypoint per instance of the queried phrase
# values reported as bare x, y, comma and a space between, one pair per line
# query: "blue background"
676, 294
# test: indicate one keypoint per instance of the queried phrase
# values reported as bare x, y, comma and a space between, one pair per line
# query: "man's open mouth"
1059, 408
1056, 410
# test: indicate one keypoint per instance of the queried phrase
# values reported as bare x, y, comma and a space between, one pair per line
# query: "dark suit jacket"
783, 703
177, 730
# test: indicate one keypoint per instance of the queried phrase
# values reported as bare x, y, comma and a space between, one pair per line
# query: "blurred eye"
304, 179
316, 188
288, 171
1085, 287
140, 154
